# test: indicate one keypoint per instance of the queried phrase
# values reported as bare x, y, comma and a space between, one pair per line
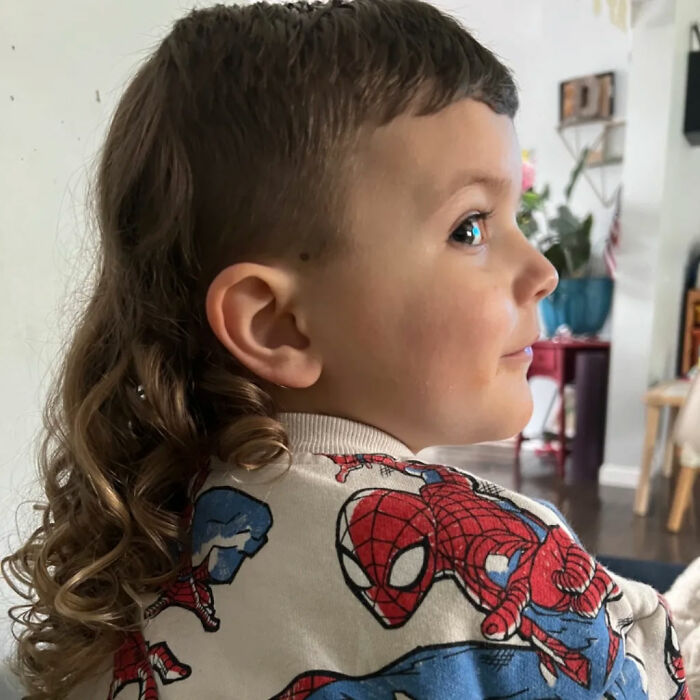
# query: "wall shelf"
600, 144
603, 163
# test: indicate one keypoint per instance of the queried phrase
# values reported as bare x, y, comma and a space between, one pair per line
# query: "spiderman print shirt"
362, 571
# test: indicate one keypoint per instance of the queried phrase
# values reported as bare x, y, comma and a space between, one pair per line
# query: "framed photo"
585, 99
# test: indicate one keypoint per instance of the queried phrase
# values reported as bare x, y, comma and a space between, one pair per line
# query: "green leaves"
574, 238
527, 224
531, 202
576, 173
556, 255
567, 241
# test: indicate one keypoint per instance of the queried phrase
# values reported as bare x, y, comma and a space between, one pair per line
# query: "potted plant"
583, 297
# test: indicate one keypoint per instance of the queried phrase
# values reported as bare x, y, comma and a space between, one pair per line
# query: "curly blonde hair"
234, 141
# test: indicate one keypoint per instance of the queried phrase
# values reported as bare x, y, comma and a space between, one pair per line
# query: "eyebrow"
435, 197
468, 178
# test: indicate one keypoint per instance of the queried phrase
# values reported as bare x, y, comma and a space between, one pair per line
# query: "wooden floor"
601, 515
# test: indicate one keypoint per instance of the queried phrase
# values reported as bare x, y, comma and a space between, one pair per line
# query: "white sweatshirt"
363, 572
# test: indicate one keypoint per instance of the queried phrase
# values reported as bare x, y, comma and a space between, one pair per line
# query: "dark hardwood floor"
601, 515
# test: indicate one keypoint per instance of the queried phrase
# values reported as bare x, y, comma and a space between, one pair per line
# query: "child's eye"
470, 232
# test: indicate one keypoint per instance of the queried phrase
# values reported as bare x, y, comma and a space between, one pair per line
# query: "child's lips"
524, 355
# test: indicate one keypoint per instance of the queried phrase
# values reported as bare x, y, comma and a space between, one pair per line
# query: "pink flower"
528, 175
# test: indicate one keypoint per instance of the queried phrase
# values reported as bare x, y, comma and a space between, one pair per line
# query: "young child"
310, 271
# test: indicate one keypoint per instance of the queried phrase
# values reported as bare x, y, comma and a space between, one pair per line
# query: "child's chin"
514, 420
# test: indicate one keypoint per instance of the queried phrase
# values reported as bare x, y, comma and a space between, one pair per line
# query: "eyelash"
481, 216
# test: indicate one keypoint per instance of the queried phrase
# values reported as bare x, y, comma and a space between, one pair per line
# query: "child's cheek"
459, 341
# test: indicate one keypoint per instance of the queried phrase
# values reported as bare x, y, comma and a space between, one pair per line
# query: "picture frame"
587, 98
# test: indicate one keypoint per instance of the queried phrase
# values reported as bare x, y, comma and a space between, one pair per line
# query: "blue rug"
658, 574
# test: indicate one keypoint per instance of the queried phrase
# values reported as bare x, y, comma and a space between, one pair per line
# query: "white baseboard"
622, 475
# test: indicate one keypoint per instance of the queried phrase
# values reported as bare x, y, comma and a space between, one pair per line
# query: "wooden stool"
669, 395
684, 488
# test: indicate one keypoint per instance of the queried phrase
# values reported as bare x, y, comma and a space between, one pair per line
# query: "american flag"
613, 238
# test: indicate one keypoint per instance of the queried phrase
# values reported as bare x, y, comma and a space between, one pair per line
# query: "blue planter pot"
582, 304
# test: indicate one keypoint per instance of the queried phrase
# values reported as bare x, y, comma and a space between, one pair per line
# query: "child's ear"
254, 312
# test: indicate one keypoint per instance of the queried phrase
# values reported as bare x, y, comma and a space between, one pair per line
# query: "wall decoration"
589, 98
618, 9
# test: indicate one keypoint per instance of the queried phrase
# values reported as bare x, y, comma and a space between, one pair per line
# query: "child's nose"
538, 279
550, 278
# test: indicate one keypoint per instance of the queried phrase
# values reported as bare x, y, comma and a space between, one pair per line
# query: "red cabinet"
557, 359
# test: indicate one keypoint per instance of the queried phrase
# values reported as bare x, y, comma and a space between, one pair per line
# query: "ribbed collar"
317, 432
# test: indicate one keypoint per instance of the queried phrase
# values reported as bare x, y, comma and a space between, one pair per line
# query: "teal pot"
582, 304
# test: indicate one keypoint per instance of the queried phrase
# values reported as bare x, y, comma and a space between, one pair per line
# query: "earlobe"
252, 310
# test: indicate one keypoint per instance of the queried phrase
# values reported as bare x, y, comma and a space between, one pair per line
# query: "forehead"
429, 157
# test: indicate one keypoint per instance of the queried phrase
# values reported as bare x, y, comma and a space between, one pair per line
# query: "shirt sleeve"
650, 640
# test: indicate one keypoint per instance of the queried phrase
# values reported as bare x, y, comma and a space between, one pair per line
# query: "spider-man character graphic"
135, 661
672, 655
462, 670
227, 526
394, 545
530, 580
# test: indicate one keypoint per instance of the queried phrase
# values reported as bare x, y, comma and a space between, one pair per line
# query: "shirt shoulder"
368, 574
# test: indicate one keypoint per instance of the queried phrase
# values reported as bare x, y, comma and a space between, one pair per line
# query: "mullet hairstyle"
234, 141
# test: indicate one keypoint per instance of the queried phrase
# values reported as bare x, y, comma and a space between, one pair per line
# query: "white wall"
51, 124
659, 222
680, 217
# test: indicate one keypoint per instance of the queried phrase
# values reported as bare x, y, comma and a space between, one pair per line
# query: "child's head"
407, 326
383, 293
314, 195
